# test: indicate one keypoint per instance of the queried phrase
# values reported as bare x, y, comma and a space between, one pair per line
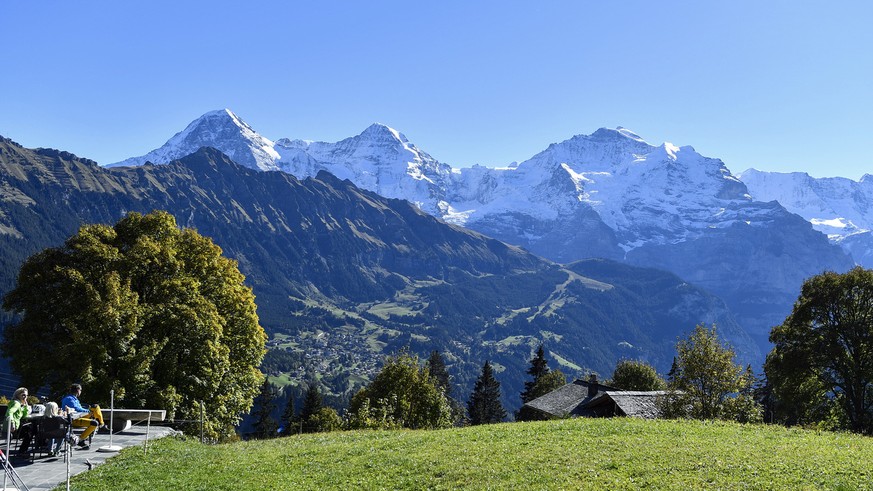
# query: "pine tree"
265, 425
436, 366
312, 403
673, 374
288, 417
484, 406
539, 367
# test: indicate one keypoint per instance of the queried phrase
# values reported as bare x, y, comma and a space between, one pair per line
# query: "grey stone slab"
46, 473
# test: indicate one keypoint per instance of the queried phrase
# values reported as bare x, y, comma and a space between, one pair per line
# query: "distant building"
593, 399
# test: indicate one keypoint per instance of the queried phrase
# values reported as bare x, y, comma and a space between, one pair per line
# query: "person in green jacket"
16, 413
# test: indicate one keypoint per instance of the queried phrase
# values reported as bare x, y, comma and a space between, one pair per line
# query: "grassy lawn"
597, 454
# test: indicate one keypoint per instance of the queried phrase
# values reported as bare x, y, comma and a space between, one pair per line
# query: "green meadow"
619, 453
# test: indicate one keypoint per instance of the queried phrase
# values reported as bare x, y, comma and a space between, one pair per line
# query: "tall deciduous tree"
403, 394
823, 351
154, 312
484, 406
636, 375
707, 383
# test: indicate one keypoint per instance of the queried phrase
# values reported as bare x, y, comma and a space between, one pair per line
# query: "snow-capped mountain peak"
381, 132
221, 129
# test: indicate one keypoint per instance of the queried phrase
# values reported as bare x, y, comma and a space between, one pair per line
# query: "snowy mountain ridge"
636, 189
609, 194
837, 206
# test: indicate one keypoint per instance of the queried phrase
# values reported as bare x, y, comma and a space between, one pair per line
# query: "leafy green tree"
797, 396
484, 406
403, 394
154, 312
822, 359
265, 425
324, 420
707, 383
636, 375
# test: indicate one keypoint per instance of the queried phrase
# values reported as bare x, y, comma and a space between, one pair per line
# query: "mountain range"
343, 276
608, 195
839, 207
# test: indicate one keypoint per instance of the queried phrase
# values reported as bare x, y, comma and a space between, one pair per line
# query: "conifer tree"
265, 425
673, 374
312, 403
484, 406
544, 381
539, 367
436, 366
288, 417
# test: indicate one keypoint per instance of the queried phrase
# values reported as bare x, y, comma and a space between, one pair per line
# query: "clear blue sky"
776, 85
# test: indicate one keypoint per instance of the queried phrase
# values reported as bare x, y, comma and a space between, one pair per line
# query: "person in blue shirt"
90, 418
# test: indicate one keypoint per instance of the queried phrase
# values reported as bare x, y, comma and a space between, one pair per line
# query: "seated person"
16, 413
54, 428
90, 419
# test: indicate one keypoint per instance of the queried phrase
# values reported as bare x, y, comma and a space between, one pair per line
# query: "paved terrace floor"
46, 473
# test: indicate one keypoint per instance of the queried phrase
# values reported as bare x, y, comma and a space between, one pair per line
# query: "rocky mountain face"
838, 207
343, 276
610, 195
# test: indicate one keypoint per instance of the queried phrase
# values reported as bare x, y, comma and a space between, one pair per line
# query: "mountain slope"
344, 275
836, 206
609, 194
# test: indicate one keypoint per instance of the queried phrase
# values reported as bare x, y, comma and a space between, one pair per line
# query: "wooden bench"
123, 419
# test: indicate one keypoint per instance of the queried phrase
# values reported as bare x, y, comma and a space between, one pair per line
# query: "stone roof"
568, 400
639, 404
